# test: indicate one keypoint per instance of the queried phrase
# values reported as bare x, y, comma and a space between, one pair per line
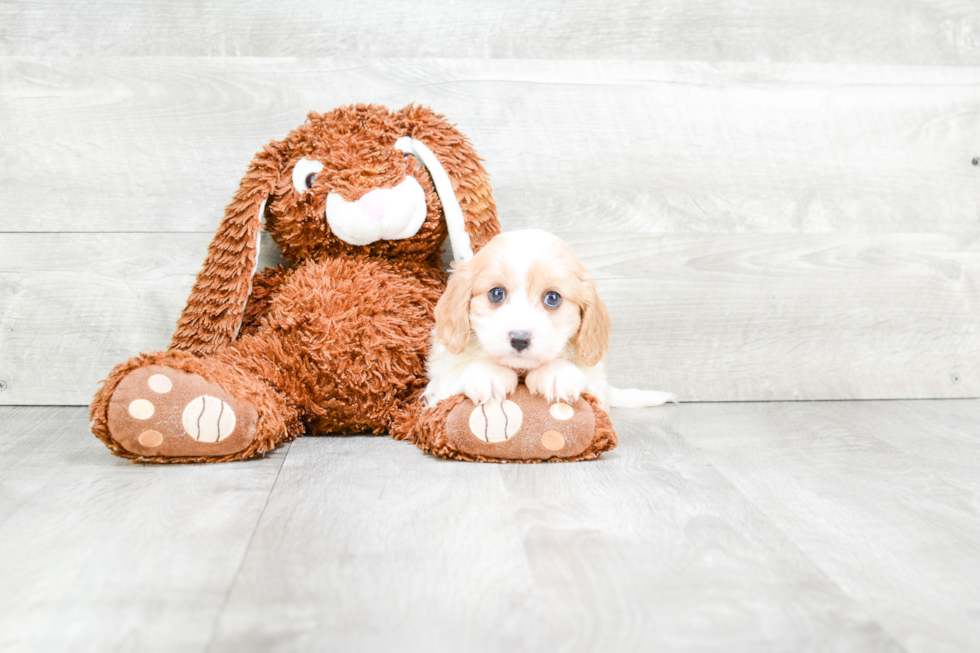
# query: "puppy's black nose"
520, 340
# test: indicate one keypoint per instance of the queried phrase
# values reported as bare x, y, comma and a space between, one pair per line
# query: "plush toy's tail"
633, 398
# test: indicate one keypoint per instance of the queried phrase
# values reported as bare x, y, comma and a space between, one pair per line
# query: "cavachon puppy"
524, 305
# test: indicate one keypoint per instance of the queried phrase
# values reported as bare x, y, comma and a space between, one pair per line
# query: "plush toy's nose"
520, 340
381, 214
377, 205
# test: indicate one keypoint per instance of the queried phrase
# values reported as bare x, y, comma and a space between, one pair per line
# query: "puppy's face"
527, 300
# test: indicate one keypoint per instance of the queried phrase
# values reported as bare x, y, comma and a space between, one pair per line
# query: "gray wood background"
778, 198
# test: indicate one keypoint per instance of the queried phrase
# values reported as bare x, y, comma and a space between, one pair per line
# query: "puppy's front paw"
558, 380
483, 382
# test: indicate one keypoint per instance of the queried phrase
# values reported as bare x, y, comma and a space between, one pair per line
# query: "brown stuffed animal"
335, 342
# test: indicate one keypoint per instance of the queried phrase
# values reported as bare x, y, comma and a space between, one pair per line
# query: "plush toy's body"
336, 342
338, 347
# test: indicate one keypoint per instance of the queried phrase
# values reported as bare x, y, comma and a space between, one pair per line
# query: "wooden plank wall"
778, 198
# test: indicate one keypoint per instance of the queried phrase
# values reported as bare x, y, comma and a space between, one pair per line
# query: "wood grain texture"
793, 316
159, 144
753, 180
821, 526
870, 31
72, 306
648, 549
866, 494
97, 554
949, 451
710, 317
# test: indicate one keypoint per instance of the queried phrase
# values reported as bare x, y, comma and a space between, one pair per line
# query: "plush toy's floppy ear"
458, 158
214, 310
453, 310
593, 334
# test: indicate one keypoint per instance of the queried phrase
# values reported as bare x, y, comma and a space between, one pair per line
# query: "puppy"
524, 305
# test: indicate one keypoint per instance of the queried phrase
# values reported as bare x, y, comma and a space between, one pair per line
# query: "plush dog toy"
360, 201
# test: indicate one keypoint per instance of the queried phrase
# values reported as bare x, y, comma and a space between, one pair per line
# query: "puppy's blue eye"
497, 295
552, 299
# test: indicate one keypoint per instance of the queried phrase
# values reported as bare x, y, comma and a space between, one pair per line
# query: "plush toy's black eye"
497, 295
552, 299
304, 174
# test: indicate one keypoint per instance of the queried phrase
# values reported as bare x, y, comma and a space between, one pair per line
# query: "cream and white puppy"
526, 304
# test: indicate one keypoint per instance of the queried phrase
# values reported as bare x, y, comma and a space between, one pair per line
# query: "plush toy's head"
360, 180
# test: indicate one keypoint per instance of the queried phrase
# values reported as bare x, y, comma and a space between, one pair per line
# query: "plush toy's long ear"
214, 310
470, 181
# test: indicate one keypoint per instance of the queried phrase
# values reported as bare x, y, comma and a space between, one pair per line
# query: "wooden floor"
723, 527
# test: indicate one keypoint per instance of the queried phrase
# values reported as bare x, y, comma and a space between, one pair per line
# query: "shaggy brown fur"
337, 341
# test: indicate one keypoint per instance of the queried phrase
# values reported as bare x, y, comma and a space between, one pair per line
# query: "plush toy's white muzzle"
382, 214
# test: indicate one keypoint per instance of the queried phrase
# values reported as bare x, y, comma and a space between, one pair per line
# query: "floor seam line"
248, 548
776, 527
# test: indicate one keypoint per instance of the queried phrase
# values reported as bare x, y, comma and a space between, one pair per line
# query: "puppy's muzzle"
520, 340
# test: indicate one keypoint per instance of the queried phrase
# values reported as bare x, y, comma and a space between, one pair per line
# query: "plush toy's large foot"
523, 428
172, 407
160, 411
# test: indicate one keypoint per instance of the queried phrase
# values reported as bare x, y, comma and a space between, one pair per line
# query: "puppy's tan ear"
457, 155
453, 310
593, 334
214, 310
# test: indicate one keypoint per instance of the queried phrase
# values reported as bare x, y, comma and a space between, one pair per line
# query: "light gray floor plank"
97, 554
951, 450
863, 491
367, 545
825, 526
31, 453
652, 550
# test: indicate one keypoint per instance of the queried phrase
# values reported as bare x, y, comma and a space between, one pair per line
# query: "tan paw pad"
208, 419
141, 409
496, 421
160, 383
561, 411
151, 439
552, 440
